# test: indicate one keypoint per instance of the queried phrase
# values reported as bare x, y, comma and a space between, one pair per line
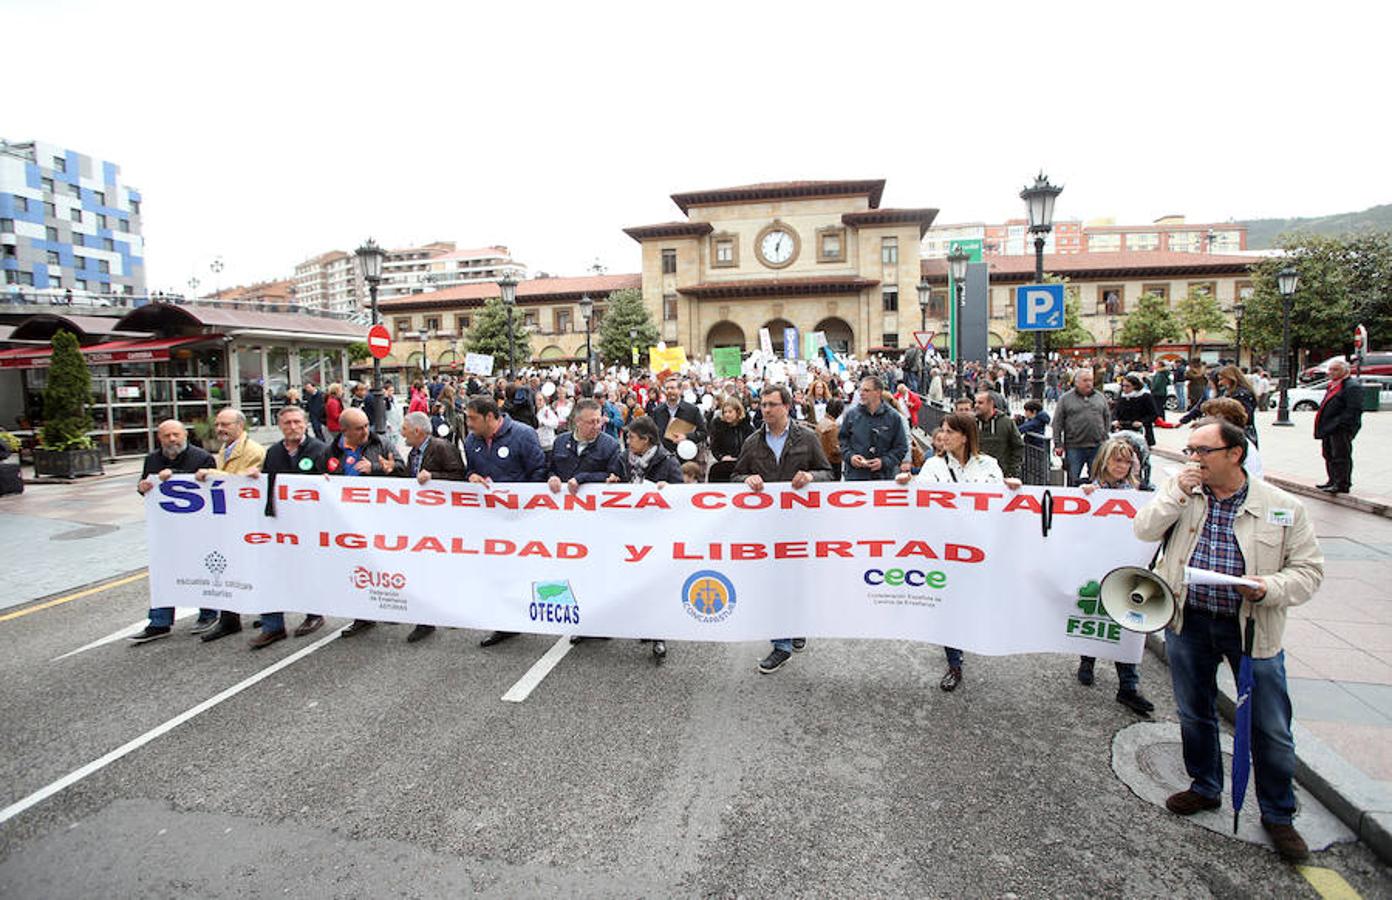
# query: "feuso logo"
708, 596
366, 578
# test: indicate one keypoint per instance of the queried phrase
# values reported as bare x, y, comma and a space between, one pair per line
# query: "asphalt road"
369, 767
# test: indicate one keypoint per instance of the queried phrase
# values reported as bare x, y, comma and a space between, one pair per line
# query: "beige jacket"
1287, 556
246, 455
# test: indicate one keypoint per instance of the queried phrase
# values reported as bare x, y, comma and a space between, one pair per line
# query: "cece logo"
366, 578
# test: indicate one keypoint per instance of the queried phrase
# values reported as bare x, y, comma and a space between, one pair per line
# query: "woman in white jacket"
961, 461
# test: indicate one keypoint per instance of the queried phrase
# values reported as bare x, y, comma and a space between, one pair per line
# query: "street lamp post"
925, 295
216, 267
1287, 280
1237, 310
425, 359
370, 258
193, 288
587, 313
957, 268
508, 285
1039, 199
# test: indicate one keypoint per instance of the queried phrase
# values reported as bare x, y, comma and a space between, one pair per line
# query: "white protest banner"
967, 567
478, 363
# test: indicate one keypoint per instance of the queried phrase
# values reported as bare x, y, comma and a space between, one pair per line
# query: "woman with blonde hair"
1116, 467
333, 408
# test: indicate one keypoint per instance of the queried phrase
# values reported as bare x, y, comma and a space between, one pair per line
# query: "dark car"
1377, 362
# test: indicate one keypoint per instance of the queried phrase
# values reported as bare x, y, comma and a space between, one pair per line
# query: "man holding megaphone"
1214, 519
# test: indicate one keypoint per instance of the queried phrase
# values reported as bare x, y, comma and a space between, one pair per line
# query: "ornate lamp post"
370, 258
957, 268
1287, 281
508, 285
193, 288
587, 313
925, 296
216, 268
1238, 309
425, 359
1039, 200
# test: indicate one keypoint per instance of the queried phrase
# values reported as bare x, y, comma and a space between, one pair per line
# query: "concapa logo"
363, 578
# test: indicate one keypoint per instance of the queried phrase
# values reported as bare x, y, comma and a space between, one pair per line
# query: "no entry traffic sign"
379, 341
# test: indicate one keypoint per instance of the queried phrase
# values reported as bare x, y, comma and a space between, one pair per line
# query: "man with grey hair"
429, 457
1337, 422
174, 457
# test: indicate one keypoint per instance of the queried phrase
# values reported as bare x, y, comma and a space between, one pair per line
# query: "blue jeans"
1074, 458
954, 657
163, 616
1128, 674
1180, 387
784, 644
1195, 655
274, 621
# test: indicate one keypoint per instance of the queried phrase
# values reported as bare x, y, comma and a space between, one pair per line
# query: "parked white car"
1307, 397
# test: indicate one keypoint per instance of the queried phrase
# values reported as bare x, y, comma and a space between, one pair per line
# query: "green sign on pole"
974, 249
727, 362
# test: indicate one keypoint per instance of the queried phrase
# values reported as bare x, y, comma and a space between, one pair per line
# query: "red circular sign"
379, 341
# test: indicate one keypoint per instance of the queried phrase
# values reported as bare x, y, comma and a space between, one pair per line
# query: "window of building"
669, 262
53, 258
432, 323
79, 239
529, 318
60, 164
80, 284
10, 250
107, 244
669, 307
890, 298
79, 261
76, 214
1143, 241
562, 320
123, 225
1204, 287
1243, 290
47, 184
1104, 243
1111, 300
937, 305
103, 267
50, 209
889, 251
19, 276
1160, 290
461, 323
135, 206
21, 204
831, 245
402, 327
102, 221
890, 339
724, 251
50, 233
1185, 242
100, 197
75, 190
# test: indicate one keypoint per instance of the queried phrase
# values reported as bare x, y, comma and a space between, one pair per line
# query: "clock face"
777, 247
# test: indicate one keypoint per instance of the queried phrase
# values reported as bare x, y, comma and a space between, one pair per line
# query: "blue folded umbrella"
1242, 739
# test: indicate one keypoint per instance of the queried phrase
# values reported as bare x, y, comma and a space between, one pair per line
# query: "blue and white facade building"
67, 223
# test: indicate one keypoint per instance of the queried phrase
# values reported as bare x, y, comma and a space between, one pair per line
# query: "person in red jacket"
333, 408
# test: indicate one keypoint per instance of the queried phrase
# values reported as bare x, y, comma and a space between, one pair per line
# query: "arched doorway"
776, 330
838, 333
550, 353
724, 334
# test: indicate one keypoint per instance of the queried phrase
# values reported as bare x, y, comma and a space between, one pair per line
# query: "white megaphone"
1137, 598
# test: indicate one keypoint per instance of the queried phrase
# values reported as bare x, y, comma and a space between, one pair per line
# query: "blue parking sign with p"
1039, 307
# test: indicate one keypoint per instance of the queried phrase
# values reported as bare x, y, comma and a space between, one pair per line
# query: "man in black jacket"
781, 450
297, 453
174, 456
314, 401
1337, 422
672, 406
585, 454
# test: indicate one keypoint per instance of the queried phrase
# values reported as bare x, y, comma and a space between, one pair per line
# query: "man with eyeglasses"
1212, 517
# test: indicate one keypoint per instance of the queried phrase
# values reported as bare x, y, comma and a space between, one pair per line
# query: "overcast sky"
265, 133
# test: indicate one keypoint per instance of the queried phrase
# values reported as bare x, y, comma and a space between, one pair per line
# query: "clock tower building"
812, 255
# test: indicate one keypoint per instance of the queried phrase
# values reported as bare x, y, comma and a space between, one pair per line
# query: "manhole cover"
81, 534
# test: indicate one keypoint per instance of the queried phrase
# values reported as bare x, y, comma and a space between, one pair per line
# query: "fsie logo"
1093, 622
362, 579
708, 596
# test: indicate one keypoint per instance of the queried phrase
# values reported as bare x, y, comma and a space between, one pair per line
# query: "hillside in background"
1262, 233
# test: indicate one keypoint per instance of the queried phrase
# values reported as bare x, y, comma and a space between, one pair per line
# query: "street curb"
1352, 501
1357, 800
72, 589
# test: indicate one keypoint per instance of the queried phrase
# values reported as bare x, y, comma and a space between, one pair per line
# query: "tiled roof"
779, 287
1129, 264
536, 290
780, 190
669, 230
154, 316
920, 217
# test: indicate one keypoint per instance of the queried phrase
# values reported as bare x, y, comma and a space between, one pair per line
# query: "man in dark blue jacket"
502, 451
874, 438
174, 457
585, 454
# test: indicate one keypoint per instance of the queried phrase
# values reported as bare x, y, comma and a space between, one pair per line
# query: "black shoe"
582, 638
1133, 701
223, 629
151, 633
1085, 673
774, 661
1334, 489
799, 644
497, 637
201, 625
1288, 841
659, 650
1186, 803
951, 678
1326, 486
358, 626
310, 625
419, 632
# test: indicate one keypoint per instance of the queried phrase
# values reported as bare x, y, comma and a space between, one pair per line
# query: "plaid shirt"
1217, 551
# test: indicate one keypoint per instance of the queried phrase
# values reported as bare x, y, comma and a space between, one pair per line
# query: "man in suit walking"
672, 406
1337, 422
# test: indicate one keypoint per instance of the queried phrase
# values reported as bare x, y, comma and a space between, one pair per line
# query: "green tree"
1197, 313
358, 351
489, 335
69, 390
1073, 334
1368, 278
625, 312
1150, 323
1322, 314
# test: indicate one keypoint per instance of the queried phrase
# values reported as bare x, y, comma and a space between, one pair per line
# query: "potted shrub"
64, 448
10, 480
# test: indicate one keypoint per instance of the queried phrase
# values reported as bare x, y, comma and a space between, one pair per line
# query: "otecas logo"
366, 578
